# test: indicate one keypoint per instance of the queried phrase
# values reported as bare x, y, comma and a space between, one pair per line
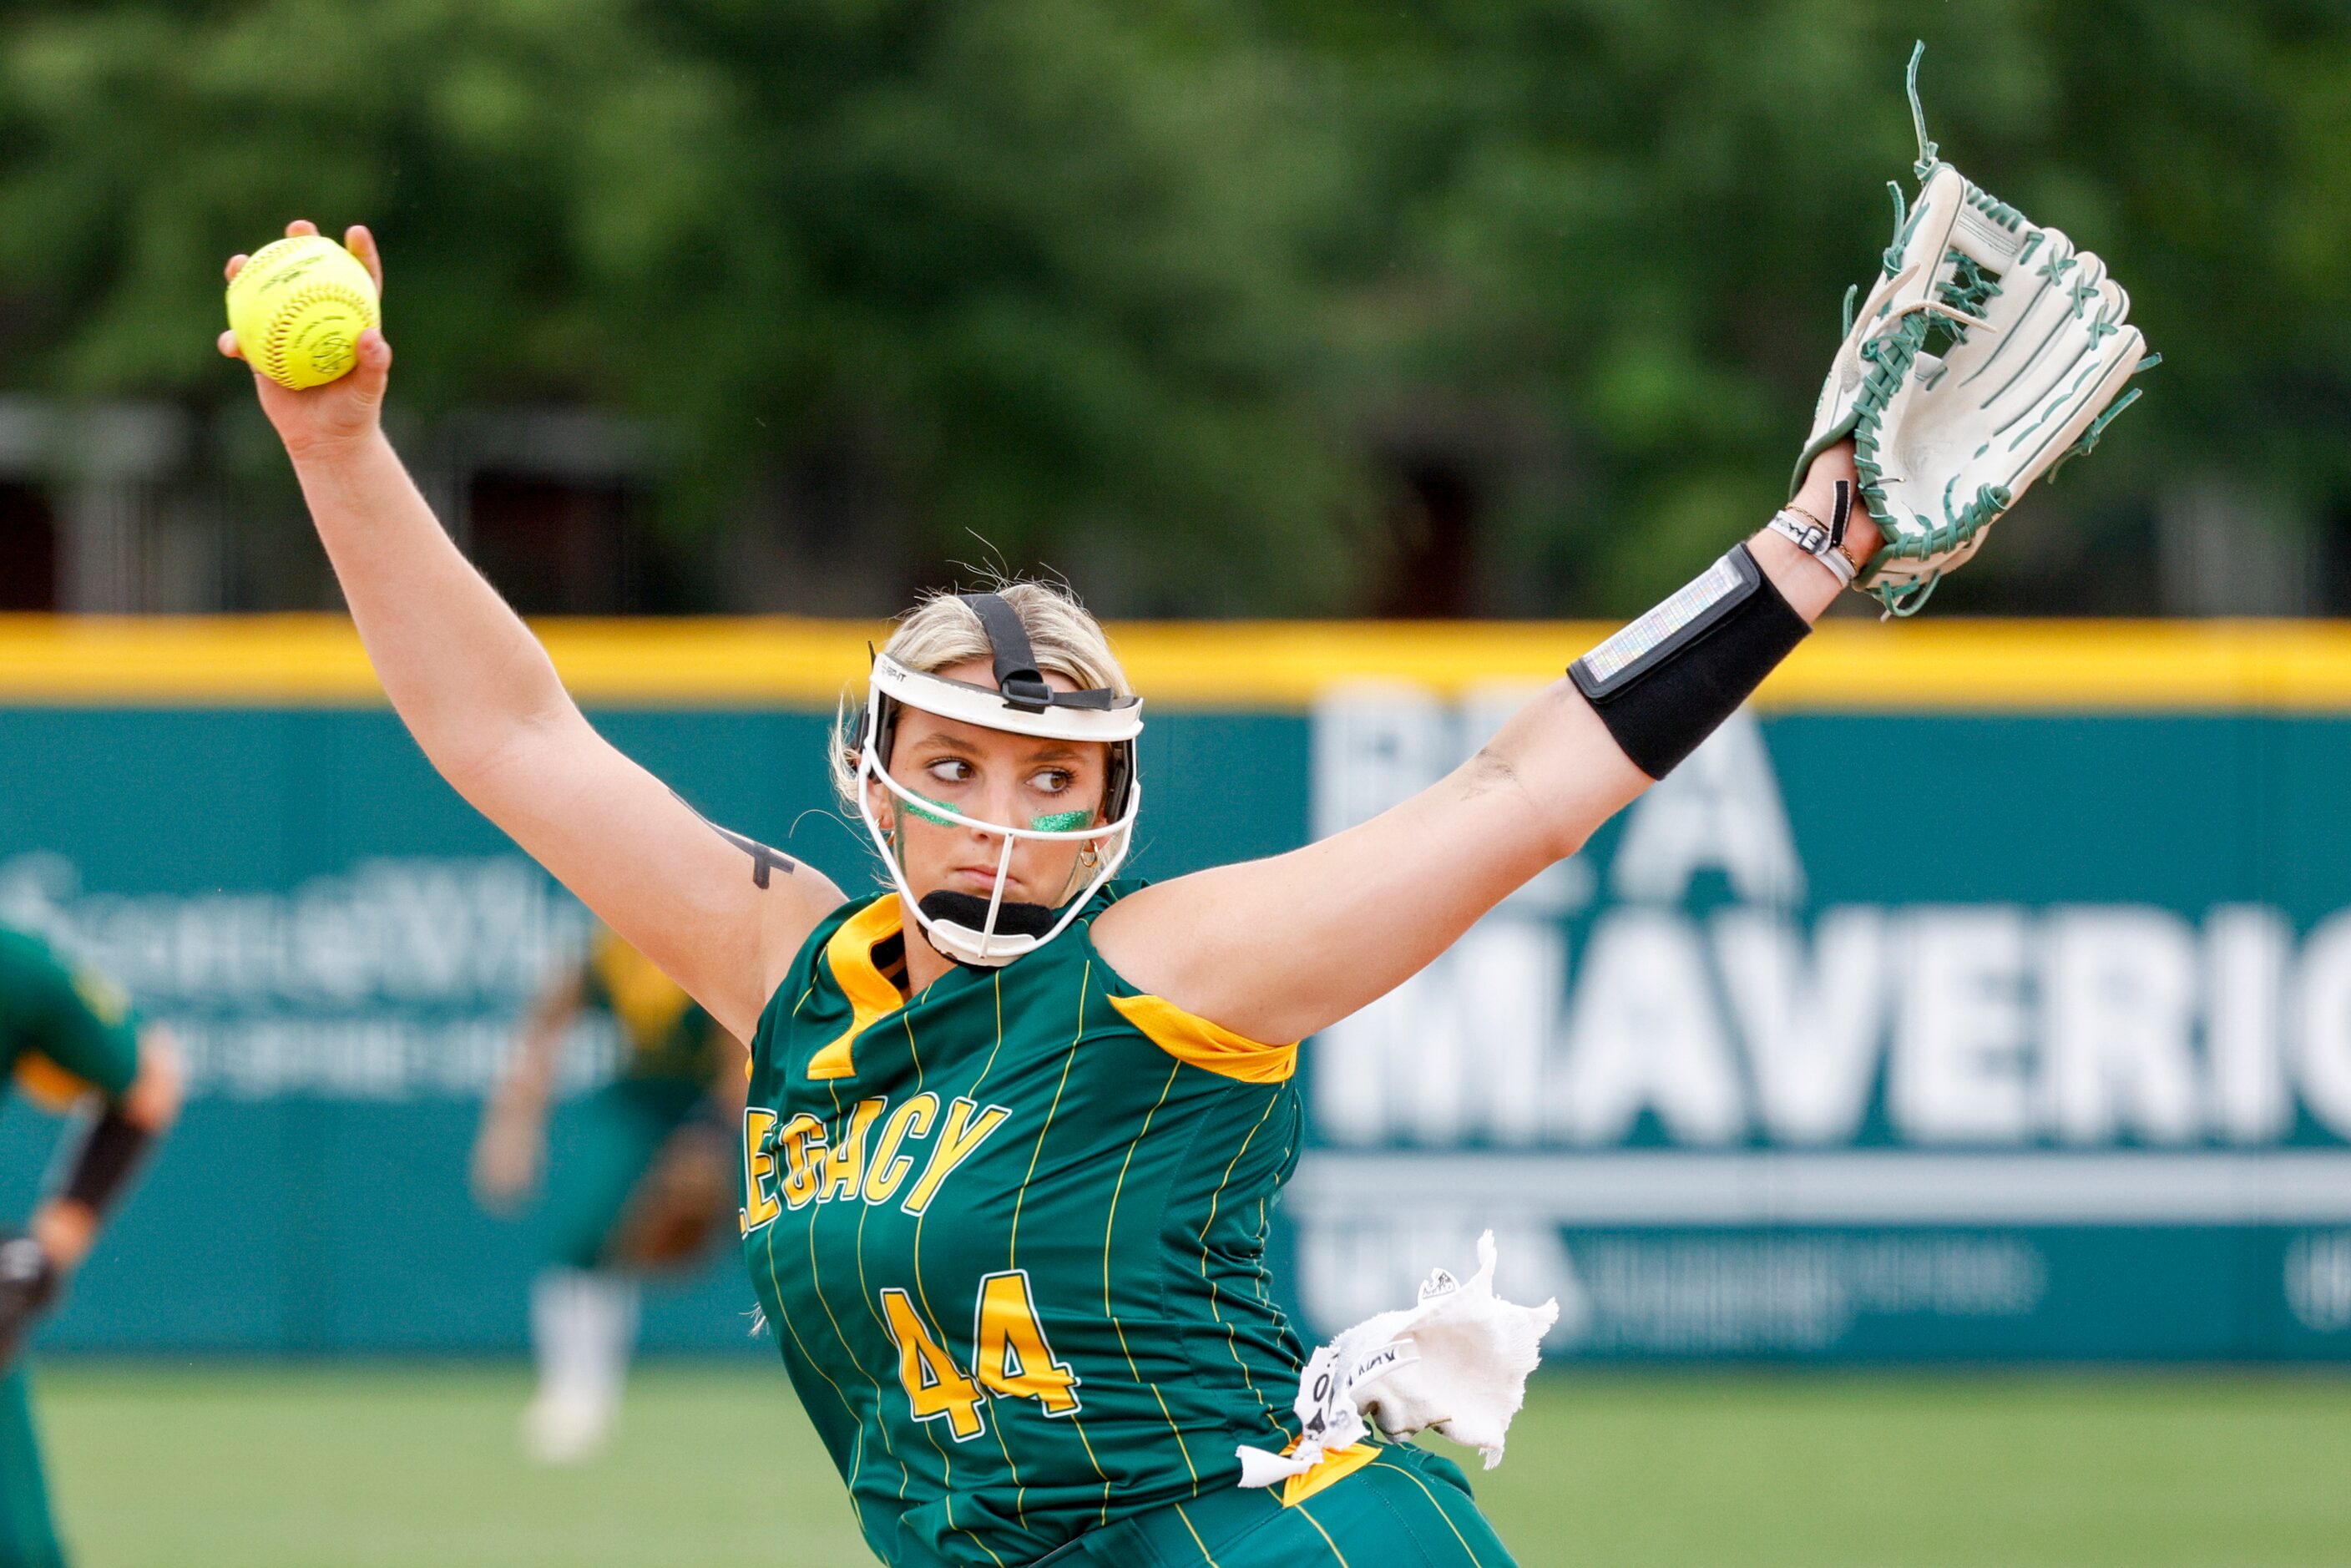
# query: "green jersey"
1011, 1239
664, 1034
65, 1029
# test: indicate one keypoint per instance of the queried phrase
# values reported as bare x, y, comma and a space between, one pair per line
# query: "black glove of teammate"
28, 1287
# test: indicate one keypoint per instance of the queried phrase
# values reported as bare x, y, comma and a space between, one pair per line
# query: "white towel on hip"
1458, 1361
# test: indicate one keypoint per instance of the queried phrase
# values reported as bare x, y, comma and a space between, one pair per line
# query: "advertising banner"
345, 951
2016, 1027
1873, 1036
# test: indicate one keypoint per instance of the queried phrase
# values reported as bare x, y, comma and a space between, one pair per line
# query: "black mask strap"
969, 911
1017, 675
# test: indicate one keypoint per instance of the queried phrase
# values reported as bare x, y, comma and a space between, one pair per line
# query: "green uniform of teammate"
1011, 1235
674, 1058
636, 1181
68, 1035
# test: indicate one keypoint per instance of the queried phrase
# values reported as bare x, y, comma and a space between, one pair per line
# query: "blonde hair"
941, 630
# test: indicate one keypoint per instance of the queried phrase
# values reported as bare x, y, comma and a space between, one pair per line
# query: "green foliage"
1650, 213
1153, 287
1046, 258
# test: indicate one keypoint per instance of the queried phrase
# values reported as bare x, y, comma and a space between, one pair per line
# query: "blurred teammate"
639, 1186
69, 1037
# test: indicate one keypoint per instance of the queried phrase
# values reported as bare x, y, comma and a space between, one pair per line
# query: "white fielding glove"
1988, 353
1457, 1362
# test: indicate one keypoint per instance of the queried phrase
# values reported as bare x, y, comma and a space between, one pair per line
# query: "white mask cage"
1021, 704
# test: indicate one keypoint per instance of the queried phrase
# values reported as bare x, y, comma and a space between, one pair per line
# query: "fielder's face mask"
991, 931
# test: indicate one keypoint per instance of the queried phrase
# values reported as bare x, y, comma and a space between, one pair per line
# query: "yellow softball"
297, 308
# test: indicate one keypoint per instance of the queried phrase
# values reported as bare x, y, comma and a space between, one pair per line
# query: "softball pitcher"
70, 1038
1013, 1126
634, 1186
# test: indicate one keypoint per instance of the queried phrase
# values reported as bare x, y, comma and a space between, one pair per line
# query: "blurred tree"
1501, 305
1631, 225
1046, 262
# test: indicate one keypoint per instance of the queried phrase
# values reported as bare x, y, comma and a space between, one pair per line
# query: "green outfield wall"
1983, 994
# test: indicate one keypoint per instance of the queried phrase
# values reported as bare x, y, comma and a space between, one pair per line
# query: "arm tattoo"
1489, 771
763, 859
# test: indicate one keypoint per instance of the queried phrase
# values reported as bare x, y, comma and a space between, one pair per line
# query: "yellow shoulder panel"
50, 1086
850, 954
1336, 1465
1204, 1045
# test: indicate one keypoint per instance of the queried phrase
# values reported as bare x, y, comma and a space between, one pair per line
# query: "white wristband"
1813, 540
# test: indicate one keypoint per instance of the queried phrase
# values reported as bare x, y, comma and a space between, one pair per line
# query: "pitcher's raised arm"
721, 915
1278, 948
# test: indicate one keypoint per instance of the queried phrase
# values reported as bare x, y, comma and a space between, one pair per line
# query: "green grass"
357, 1468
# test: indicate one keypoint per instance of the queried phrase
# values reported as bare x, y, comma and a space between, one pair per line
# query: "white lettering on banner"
1509, 978
372, 1056
1645, 1035
2118, 996
1673, 1295
1989, 1025
1465, 1045
2245, 952
403, 977
1958, 1070
2324, 1019
1376, 745
1689, 1295
1359, 1267
2318, 1280
1812, 1026
415, 930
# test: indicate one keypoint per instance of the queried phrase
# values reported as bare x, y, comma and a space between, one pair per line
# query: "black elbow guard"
1669, 680
109, 1152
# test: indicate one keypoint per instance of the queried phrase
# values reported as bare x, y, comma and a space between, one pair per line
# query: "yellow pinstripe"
905, 1470
1012, 1252
905, 1474
1205, 1556
997, 975
817, 1279
1012, 1258
1111, 1225
1387, 1463
1325, 1535
857, 1454
1265, 1296
864, 1293
947, 1476
1019, 1487
1232, 1340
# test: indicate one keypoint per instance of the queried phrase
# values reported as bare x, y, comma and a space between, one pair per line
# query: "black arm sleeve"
110, 1151
1670, 679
